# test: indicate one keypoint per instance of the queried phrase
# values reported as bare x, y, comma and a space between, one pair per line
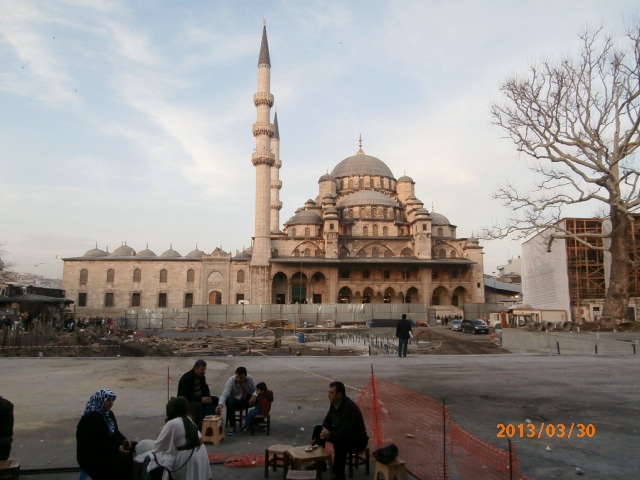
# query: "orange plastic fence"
432, 445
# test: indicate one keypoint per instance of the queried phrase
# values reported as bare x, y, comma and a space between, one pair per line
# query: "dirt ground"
243, 341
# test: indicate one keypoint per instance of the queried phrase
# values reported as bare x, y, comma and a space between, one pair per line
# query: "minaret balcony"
262, 128
263, 98
276, 184
262, 159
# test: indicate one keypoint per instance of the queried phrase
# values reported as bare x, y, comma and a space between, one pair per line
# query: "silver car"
455, 325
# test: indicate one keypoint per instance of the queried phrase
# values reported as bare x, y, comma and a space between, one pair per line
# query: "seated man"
262, 400
236, 395
343, 426
193, 386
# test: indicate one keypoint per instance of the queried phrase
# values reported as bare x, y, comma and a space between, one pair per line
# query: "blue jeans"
403, 345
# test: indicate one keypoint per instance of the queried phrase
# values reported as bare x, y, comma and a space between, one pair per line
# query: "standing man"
6, 428
403, 332
235, 395
193, 386
343, 426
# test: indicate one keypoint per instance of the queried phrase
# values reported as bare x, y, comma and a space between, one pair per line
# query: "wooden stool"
260, 421
302, 475
274, 456
212, 429
354, 459
394, 471
9, 469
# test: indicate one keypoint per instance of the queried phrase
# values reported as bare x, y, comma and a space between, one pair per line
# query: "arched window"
440, 231
375, 252
361, 182
307, 252
307, 231
163, 276
240, 276
191, 275
385, 231
137, 275
84, 276
365, 231
111, 274
375, 230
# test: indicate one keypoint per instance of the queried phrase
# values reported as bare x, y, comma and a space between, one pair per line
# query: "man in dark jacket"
403, 332
193, 386
6, 428
343, 426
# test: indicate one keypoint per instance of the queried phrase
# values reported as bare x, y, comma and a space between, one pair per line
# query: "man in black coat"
403, 332
193, 386
6, 428
343, 426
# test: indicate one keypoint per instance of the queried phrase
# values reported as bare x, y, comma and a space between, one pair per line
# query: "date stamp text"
546, 430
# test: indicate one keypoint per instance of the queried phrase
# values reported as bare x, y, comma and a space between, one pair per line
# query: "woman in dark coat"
102, 451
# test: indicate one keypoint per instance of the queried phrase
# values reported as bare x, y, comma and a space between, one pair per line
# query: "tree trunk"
617, 298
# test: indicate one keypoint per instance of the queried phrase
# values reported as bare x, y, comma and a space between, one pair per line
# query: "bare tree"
578, 120
6, 275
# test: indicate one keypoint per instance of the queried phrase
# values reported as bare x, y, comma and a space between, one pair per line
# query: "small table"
299, 456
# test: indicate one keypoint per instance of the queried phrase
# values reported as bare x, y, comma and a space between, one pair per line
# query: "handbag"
386, 454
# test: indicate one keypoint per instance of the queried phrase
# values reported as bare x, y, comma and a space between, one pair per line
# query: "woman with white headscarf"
179, 447
102, 451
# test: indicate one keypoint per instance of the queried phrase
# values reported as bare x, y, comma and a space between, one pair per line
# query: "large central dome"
361, 164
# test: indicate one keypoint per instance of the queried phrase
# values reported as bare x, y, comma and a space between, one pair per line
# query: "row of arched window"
163, 276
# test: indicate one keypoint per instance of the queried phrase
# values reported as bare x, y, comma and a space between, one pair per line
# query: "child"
262, 401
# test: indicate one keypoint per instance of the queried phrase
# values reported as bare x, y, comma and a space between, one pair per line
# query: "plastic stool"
393, 471
212, 429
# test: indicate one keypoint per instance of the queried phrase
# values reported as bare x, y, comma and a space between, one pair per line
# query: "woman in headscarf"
179, 446
102, 451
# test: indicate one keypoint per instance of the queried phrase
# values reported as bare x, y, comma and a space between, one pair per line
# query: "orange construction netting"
430, 443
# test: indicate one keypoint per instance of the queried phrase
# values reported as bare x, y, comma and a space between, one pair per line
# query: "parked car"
474, 326
455, 325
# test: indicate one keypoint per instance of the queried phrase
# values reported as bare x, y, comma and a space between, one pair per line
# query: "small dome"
325, 178
361, 164
438, 219
367, 197
404, 178
95, 253
171, 253
422, 211
124, 251
305, 217
195, 254
146, 253
244, 254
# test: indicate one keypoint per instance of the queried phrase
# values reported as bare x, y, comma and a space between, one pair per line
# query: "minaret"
263, 159
276, 184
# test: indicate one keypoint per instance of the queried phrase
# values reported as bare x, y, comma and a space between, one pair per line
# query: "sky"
125, 121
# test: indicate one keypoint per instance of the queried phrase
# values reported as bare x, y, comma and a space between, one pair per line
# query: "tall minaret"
263, 159
276, 184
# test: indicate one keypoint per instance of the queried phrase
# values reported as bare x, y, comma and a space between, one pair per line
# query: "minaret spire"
263, 159
276, 183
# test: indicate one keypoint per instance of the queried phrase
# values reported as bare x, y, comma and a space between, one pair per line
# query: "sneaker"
231, 431
245, 429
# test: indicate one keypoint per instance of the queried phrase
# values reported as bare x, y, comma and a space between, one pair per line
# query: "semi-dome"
171, 253
306, 217
95, 253
124, 251
367, 197
361, 164
439, 219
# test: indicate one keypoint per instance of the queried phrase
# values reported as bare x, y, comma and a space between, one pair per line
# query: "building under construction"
571, 271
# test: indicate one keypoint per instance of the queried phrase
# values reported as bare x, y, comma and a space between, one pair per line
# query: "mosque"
365, 238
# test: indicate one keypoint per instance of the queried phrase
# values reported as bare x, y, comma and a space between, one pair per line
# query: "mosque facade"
364, 238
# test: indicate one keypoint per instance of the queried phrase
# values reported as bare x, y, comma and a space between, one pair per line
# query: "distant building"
511, 272
364, 237
566, 274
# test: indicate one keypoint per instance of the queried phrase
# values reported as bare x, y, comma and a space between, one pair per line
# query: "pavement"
481, 391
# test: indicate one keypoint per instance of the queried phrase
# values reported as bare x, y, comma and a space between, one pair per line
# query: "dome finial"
360, 151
